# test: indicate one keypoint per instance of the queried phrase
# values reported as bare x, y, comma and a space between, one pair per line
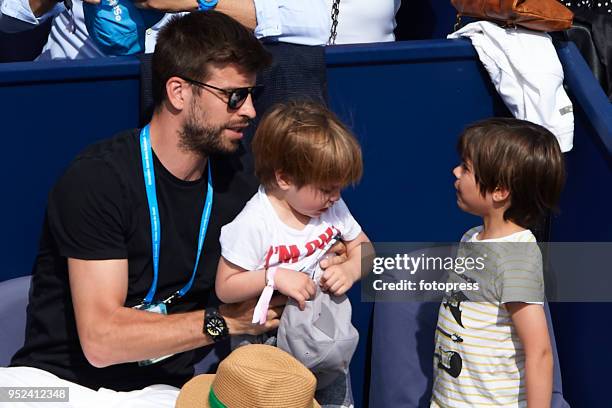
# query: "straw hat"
252, 376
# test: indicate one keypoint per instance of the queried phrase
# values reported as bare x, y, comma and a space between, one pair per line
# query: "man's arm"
530, 323
111, 333
241, 10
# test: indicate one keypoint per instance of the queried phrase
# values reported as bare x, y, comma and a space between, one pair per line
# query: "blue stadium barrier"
582, 329
406, 101
50, 111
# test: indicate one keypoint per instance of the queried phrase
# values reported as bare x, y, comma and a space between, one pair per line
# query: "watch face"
215, 326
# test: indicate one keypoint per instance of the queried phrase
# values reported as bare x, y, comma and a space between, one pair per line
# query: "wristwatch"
214, 325
204, 5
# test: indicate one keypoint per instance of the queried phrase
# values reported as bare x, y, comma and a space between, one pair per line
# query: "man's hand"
296, 285
239, 315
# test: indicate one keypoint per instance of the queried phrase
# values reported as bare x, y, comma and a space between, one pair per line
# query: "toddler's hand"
296, 285
337, 279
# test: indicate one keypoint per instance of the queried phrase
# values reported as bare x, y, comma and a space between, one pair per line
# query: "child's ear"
500, 194
282, 180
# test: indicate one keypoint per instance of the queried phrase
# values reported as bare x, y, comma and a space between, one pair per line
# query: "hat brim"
194, 393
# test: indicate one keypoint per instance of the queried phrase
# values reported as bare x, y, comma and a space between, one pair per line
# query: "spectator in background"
598, 6
592, 34
69, 38
297, 22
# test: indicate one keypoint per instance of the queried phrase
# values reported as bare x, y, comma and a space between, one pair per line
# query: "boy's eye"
328, 191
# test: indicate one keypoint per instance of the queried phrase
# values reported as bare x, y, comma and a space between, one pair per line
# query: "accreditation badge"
153, 308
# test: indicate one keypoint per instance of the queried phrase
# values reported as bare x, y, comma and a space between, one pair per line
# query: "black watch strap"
215, 326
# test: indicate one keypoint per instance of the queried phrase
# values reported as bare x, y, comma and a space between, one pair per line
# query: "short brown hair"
188, 44
520, 156
308, 144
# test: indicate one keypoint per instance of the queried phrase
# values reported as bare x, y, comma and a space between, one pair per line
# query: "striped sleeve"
521, 273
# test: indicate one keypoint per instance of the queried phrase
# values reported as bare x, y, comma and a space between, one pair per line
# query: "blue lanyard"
149, 178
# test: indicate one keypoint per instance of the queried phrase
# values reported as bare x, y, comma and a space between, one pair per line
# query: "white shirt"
527, 74
309, 22
292, 21
257, 238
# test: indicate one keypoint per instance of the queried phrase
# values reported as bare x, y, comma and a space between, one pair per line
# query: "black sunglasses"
236, 96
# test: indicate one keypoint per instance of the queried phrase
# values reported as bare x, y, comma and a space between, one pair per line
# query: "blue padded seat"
13, 303
402, 355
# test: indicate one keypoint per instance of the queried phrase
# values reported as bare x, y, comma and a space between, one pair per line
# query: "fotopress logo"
423, 286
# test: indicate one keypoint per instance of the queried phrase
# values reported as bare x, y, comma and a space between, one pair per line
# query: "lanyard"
149, 178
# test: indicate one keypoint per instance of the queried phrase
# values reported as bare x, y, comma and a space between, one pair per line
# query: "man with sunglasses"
122, 291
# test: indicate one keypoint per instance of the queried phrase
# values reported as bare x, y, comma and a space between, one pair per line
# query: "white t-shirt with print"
257, 238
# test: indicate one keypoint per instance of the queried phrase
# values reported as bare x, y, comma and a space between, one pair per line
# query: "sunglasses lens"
237, 98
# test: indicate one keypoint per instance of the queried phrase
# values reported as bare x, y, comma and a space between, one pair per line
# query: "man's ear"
500, 194
176, 92
283, 182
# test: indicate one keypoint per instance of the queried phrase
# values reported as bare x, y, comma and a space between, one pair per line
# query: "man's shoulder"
106, 162
117, 147
107, 157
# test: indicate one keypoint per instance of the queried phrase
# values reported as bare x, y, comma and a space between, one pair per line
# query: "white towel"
525, 69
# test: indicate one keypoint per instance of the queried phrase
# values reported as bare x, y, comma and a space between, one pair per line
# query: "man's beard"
204, 139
